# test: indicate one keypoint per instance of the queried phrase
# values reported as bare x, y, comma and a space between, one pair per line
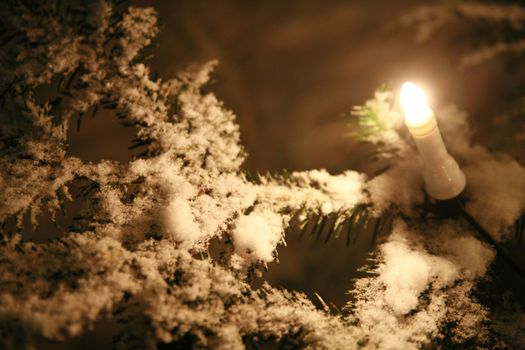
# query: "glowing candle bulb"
443, 177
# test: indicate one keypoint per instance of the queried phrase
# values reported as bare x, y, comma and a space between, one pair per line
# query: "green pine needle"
366, 123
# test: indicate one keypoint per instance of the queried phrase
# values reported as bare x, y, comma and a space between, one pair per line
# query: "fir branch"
365, 123
354, 222
376, 122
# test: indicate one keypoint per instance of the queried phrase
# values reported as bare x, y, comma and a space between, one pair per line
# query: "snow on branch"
139, 250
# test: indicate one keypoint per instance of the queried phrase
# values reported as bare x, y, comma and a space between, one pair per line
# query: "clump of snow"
408, 269
180, 222
473, 256
257, 235
406, 274
411, 261
424, 279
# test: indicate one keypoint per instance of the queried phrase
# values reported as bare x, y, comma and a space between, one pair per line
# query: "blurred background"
289, 70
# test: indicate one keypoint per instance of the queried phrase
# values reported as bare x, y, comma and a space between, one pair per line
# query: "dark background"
288, 70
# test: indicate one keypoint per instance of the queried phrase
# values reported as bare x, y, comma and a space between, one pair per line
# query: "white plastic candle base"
443, 181
443, 177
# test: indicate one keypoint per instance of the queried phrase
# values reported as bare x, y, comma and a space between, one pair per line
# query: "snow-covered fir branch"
140, 250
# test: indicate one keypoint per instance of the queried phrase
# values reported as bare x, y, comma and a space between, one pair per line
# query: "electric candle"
443, 177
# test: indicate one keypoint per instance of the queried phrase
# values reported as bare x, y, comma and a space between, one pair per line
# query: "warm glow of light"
414, 104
